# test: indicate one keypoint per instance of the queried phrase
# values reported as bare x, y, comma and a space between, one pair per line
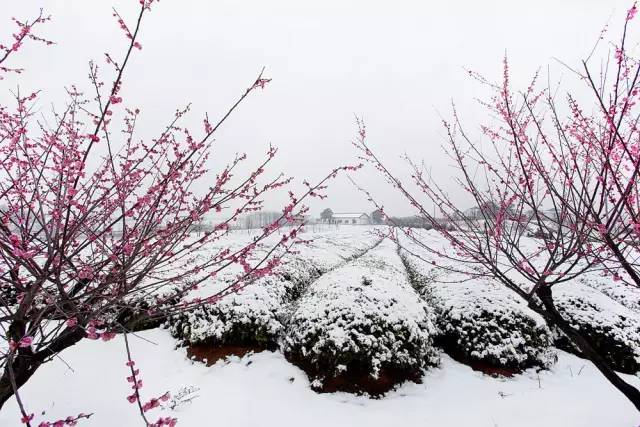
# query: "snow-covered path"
265, 390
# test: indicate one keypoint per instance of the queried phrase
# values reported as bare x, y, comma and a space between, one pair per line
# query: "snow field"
371, 310
264, 390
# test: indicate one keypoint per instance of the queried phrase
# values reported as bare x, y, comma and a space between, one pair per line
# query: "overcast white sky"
398, 64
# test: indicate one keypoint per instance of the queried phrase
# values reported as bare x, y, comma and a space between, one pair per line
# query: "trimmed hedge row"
361, 327
619, 291
249, 317
612, 328
254, 315
481, 323
484, 322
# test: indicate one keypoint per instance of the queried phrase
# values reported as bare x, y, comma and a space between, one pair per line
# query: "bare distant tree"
377, 216
326, 215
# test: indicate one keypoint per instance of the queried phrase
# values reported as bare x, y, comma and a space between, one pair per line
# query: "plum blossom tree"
607, 144
96, 221
547, 170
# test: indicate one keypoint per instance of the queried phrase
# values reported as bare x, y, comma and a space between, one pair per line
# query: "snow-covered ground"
265, 390
361, 280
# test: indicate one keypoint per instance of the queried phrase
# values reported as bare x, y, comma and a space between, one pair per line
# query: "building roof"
349, 215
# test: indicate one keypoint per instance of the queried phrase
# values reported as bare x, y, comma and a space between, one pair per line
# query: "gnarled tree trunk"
552, 314
25, 363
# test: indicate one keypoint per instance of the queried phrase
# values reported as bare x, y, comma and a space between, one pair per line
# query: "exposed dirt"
355, 379
485, 367
210, 354
363, 383
492, 370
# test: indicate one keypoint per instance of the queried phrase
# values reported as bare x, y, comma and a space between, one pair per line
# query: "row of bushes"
612, 328
362, 327
619, 291
254, 316
483, 322
364, 319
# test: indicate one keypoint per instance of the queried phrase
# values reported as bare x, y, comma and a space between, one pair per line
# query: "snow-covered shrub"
253, 316
611, 327
361, 327
481, 323
624, 293
250, 316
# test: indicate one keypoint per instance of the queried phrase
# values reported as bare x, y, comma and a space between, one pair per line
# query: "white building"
351, 218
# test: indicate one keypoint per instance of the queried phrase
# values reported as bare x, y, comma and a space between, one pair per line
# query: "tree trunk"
23, 368
24, 365
630, 392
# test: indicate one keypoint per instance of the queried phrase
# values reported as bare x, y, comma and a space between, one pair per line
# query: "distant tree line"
413, 221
